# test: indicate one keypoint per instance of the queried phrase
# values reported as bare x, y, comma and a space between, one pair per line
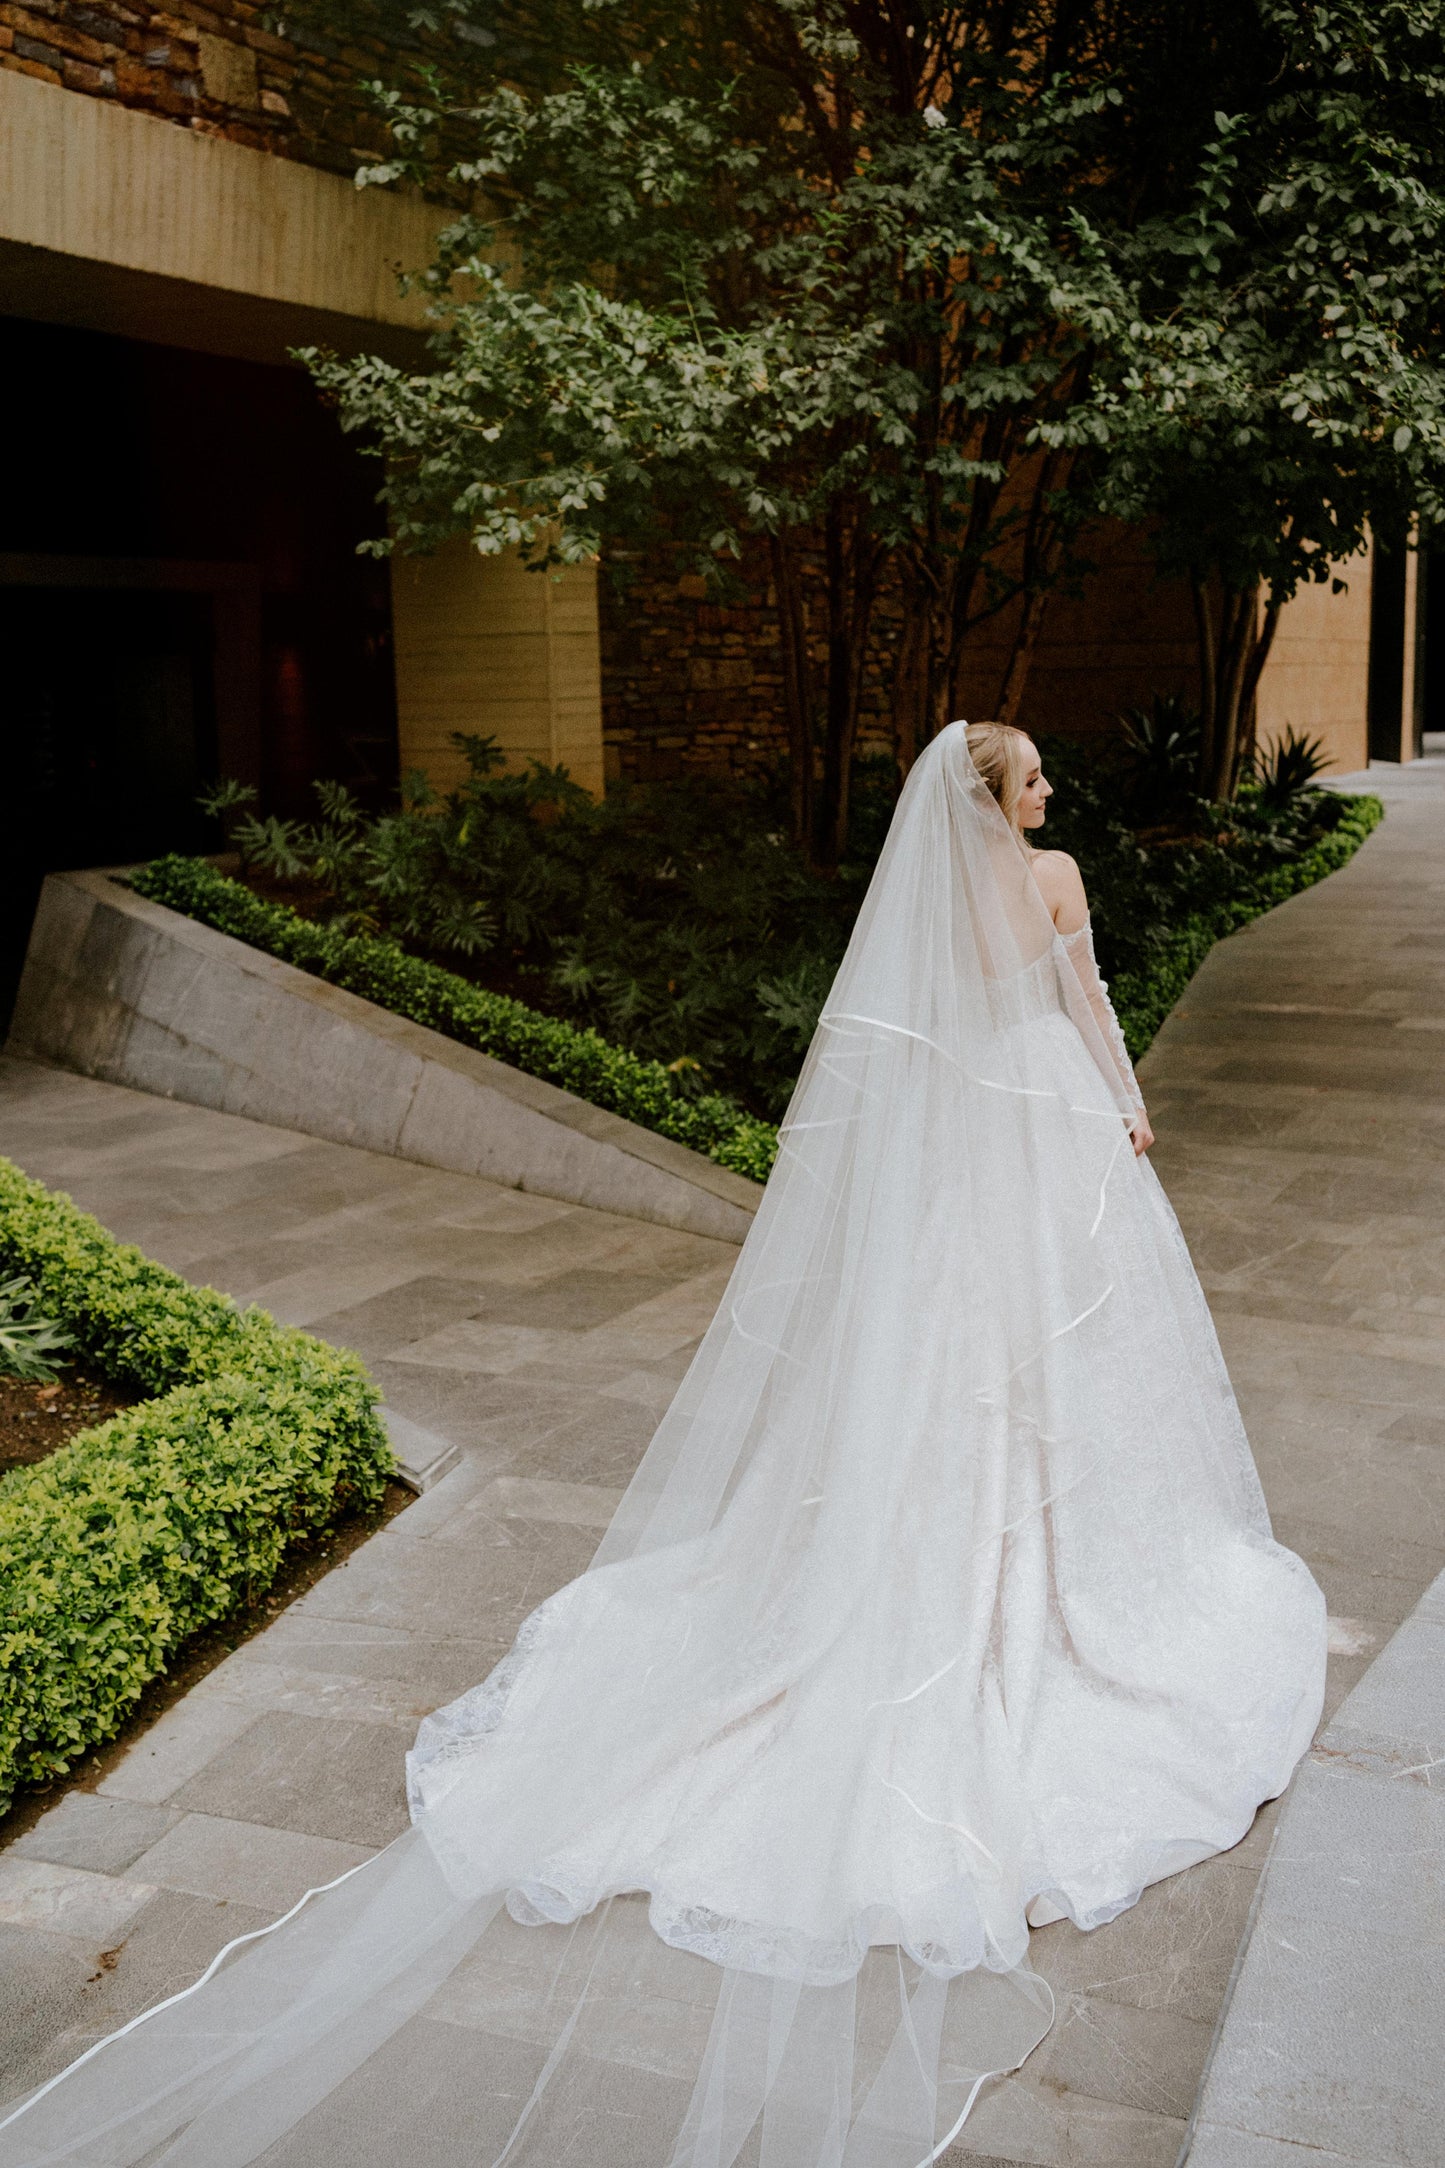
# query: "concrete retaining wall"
121, 988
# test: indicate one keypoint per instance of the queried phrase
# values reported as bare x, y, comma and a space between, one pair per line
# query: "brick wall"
216, 70
691, 685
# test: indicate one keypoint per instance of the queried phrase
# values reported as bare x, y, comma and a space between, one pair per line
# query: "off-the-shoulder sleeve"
1079, 948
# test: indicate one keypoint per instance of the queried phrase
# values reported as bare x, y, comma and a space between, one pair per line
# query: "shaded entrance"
112, 732
180, 597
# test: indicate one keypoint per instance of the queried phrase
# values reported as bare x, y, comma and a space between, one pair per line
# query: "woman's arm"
1062, 886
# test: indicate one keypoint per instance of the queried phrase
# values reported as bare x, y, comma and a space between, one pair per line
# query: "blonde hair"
999, 752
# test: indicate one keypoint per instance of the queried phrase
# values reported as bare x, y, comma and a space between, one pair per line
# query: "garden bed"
1145, 993
244, 1438
1157, 912
380, 970
38, 1416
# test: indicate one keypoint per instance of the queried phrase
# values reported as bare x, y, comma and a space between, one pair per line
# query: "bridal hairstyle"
728, 1860
997, 751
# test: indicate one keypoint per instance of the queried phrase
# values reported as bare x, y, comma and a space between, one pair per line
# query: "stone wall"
215, 70
693, 685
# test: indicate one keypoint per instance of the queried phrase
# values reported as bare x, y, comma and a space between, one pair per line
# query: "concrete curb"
422, 1458
1331, 2038
123, 989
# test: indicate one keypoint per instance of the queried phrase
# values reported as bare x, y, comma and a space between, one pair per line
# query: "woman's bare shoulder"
1062, 886
1055, 872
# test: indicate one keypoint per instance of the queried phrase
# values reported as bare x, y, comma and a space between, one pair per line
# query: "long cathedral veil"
729, 1859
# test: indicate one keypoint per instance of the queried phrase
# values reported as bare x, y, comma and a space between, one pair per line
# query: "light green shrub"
161, 1521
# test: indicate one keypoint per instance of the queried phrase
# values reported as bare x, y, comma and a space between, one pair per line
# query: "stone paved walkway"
1301, 1113
543, 1339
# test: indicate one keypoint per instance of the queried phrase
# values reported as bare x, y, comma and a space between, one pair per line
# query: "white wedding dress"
945, 1595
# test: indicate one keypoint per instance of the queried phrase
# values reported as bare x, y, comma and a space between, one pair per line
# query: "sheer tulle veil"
945, 1575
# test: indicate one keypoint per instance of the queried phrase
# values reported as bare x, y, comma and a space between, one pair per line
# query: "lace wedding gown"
944, 1597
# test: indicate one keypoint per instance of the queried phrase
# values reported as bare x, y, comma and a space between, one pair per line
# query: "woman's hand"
1141, 1136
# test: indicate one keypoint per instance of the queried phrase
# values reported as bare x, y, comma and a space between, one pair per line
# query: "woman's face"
1036, 791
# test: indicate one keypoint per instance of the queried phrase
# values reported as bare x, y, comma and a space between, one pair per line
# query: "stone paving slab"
542, 1340
243, 1863
1333, 2044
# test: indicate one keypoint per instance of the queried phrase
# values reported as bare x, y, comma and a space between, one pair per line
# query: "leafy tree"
902, 291
825, 277
1279, 391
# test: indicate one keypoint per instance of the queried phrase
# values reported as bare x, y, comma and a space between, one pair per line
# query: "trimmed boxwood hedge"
579, 1059
627, 1084
119, 1547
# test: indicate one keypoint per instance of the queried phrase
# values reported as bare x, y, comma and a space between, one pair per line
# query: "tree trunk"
959, 618
910, 679
1254, 671
851, 580
1232, 656
1042, 548
1204, 636
1026, 639
797, 688
920, 674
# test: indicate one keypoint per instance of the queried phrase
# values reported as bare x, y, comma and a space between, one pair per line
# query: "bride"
944, 1603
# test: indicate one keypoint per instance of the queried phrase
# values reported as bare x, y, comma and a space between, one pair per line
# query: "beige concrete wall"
486, 647
1131, 634
1317, 679
121, 988
84, 178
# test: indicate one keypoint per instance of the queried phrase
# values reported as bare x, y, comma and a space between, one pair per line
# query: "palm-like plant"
1160, 758
1287, 770
30, 1342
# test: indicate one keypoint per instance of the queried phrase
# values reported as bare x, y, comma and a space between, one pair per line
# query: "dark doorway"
215, 616
110, 734
1432, 659
1387, 644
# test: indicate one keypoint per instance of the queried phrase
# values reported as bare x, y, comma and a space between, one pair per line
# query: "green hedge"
1144, 998
609, 1076
119, 1547
578, 1059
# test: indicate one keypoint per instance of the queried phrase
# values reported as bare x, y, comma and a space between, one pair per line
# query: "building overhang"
113, 220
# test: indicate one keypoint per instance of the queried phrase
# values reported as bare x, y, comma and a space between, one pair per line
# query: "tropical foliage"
32, 1345
680, 943
678, 920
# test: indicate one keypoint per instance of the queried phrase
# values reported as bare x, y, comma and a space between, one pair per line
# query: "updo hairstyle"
1000, 754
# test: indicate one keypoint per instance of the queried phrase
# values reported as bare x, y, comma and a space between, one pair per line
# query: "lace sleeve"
1079, 947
